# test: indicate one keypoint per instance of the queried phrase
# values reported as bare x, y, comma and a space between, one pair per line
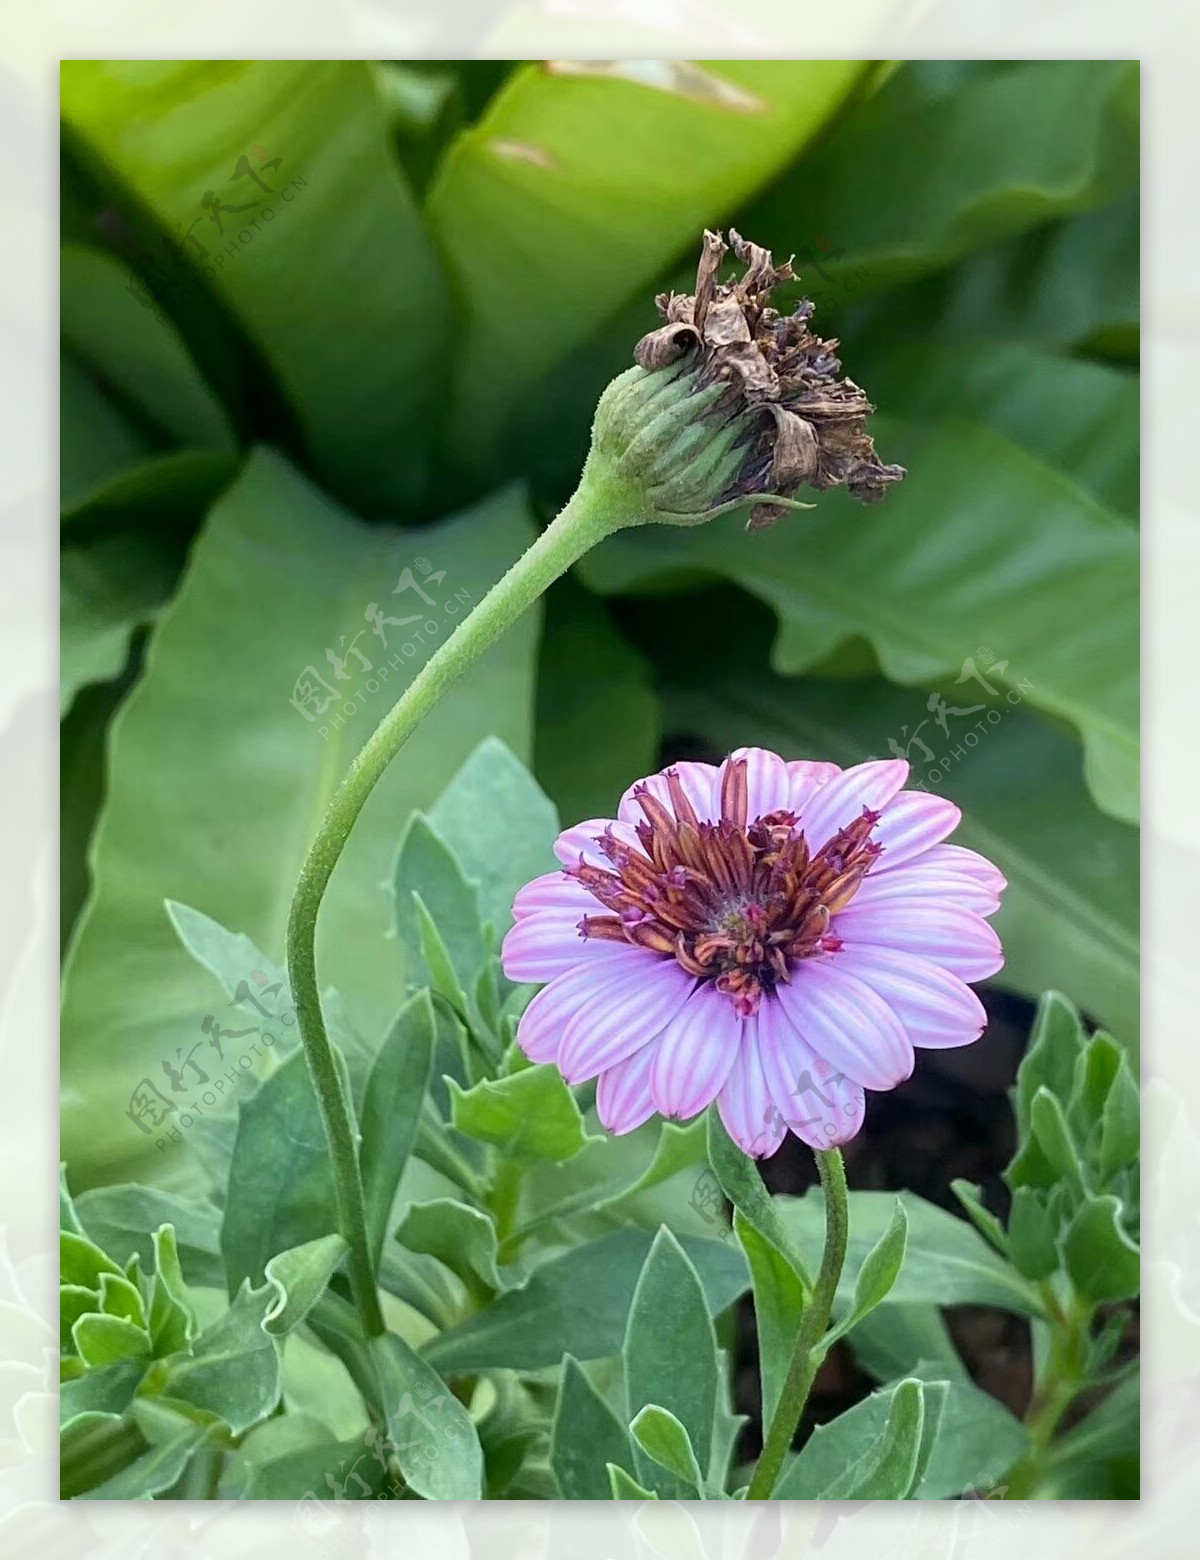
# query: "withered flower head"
735, 400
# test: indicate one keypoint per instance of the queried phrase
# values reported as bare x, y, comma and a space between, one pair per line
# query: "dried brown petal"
665, 346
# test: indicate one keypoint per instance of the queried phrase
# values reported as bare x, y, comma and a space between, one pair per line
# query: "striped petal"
583, 842
544, 1021
841, 800
916, 881
554, 891
806, 776
541, 947
914, 822
634, 1005
847, 1023
623, 1097
959, 940
822, 1107
701, 786
768, 785
695, 1054
750, 1114
936, 1008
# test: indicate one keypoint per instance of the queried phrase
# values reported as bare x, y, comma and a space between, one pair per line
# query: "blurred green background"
326, 323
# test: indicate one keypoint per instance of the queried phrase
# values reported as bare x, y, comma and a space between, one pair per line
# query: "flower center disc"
733, 901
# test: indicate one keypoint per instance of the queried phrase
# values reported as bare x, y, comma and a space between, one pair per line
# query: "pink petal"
541, 1026
845, 1022
747, 1109
634, 1004
541, 947
916, 881
554, 891
843, 798
957, 859
959, 940
914, 822
768, 785
821, 1107
623, 1098
695, 1053
937, 1009
582, 841
806, 776
700, 784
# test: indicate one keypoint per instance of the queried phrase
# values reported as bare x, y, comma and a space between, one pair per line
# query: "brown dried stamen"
733, 902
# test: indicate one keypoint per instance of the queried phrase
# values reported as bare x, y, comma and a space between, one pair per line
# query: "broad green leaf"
107, 1340
68, 1218
108, 1391
985, 1221
276, 181
585, 1437
670, 1355
317, 1469
778, 1306
663, 1439
909, 184
877, 1276
1079, 416
122, 483
74, 1301
108, 588
81, 1261
426, 867
528, 1115
946, 1260
172, 1319
299, 1277
391, 1109
94, 1447
280, 1183
122, 1220
500, 825
742, 1184
577, 1303
590, 679
97, 442
1069, 917
893, 1340
234, 1370
264, 779
1096, 1071
1053, 1137
1120, 1124
978, 1440
460, 1237
870, 1452
983, 555
582, 181
109, 317
1102, 1262
119, 1297
1055, 1045
624, 1487
168, 1440
433, 1438
1031, 1234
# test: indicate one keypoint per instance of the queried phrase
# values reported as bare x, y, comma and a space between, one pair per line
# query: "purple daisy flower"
773, 936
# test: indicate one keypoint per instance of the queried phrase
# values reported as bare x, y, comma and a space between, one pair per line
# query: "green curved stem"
814, 1324
587, 519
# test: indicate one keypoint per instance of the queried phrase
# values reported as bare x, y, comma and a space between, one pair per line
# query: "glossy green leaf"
910, 183
278, 575
946, 1260
983, 555
585, 1437
433, 1438
1102, 1262
98, 443
577, 1303
1031, 1234
670, 1356
280, 1184
234, 1370
1081, 417
110, 318
276, 180
299, 1277
778, 1306
108, 588
528, 1115
583, 180
1069, 916
877, 1276
122, 1220
521, 824
666, 1442
391, 1109
868, 1453
460, 1237
590, 679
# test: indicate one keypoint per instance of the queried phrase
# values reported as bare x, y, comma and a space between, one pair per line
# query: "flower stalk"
814, 1324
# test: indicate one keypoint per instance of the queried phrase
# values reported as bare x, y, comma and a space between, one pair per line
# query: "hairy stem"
599, 507
813, 1325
